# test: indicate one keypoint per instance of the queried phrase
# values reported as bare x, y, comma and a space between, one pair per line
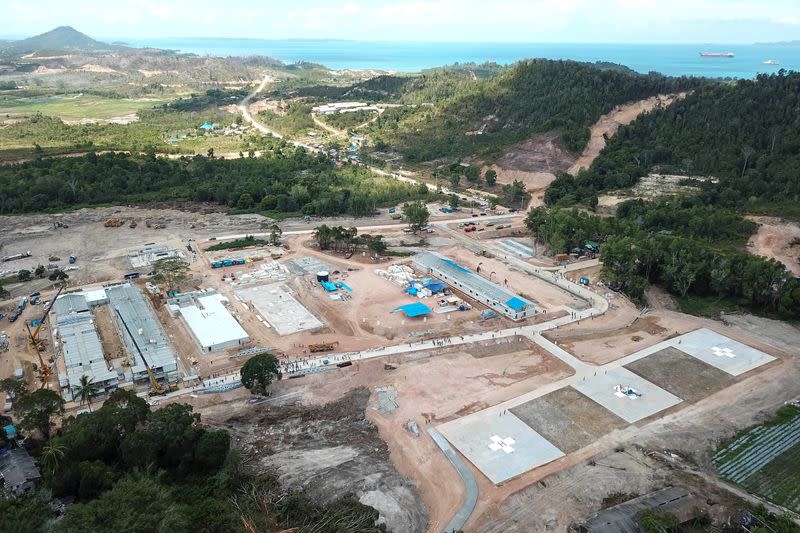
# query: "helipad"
500, 445
603, 389
721, 352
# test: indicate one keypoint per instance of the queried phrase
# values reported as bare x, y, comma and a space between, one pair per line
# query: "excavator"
156, 389
44, 371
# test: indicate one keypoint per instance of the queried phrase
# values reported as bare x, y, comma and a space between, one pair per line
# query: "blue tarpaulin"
435, 286
330, 287
515, 303
415, 309
11, 431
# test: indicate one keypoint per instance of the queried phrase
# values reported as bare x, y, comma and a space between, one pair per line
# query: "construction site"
464, 376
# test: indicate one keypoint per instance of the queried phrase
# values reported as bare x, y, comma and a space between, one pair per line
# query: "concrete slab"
500, 446
278, 307
600, 388
721, 352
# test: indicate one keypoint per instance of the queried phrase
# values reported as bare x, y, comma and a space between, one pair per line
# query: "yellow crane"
44, 371
34, 337
155, 387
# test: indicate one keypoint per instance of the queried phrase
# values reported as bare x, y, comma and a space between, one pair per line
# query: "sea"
668, 59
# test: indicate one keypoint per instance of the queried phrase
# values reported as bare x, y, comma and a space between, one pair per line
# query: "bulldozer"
114, 222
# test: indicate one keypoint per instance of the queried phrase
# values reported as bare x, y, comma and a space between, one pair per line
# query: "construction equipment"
323, 347
114, 222
35, 338
43, 371
155, 387
132, 225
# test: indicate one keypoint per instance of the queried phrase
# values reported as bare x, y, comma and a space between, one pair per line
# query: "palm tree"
52, 454
86, 389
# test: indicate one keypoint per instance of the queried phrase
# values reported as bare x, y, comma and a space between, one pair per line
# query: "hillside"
745, 134
535, 96
63, 38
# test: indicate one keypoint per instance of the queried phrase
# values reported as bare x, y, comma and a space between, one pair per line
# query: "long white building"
474, 286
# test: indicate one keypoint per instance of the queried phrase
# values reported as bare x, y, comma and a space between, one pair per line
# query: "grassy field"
765, 459
76, 106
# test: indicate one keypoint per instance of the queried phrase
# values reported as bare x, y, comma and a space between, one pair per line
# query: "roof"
210, 321
138, 315
622, 518
516, 303
415, 309
17, 467
70, 303
592, 244
83, 353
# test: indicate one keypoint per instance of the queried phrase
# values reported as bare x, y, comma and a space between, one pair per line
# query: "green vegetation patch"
765, 459
238, 243
76, 106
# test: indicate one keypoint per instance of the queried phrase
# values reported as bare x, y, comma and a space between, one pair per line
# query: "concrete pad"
600, 388
500, 446
721, 352
278, 307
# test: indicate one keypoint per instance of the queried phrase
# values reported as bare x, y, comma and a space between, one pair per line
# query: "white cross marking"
501, 444
722, 352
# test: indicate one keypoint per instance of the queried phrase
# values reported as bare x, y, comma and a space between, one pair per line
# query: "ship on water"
717, 54
770, 62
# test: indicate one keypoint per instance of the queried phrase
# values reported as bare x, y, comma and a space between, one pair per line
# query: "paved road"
471, 484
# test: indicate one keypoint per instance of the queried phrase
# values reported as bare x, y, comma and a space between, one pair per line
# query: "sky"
533, 21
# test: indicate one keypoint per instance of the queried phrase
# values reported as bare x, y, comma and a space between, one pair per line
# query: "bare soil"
329, 452
777, 239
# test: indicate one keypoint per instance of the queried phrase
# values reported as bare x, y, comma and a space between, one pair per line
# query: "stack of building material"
400, 275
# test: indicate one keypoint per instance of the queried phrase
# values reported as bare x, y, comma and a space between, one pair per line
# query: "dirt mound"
331, 451
541, 153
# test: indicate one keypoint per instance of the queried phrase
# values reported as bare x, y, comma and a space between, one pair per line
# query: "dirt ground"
777, 239
570, 488
609, 123
329, 451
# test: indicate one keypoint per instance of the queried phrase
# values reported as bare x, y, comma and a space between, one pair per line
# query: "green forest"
284, 179
533, 96
680, 244
746, 134
132, 469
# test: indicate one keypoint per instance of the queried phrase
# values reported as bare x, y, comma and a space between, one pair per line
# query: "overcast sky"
571, 21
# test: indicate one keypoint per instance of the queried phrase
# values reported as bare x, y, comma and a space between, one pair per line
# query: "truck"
22, 302
14, 257
72, 259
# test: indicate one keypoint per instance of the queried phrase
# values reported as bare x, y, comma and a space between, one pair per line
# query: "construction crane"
34, 337
155, 387
44, 371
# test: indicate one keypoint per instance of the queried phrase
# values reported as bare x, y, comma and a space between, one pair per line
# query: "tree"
52, 455
422, 188
454, 179
37, 409
24, 275
416, 215
171, 272
3, 292
454, 202
15, 387
58, 275
375, 244
245, 201
490, 177
40, 271
259, 371
86, 389
275, 235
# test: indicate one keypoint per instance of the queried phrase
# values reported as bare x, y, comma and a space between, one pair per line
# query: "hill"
745, 134
63, 38
534, 96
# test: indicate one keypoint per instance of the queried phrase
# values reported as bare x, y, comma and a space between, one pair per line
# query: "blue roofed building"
414, 310
474, 286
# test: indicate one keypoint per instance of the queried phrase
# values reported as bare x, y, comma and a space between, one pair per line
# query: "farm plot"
766, 459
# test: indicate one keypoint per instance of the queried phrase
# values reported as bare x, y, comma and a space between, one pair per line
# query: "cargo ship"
717, 54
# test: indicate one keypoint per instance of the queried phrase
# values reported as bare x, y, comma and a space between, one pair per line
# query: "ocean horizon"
668, 59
